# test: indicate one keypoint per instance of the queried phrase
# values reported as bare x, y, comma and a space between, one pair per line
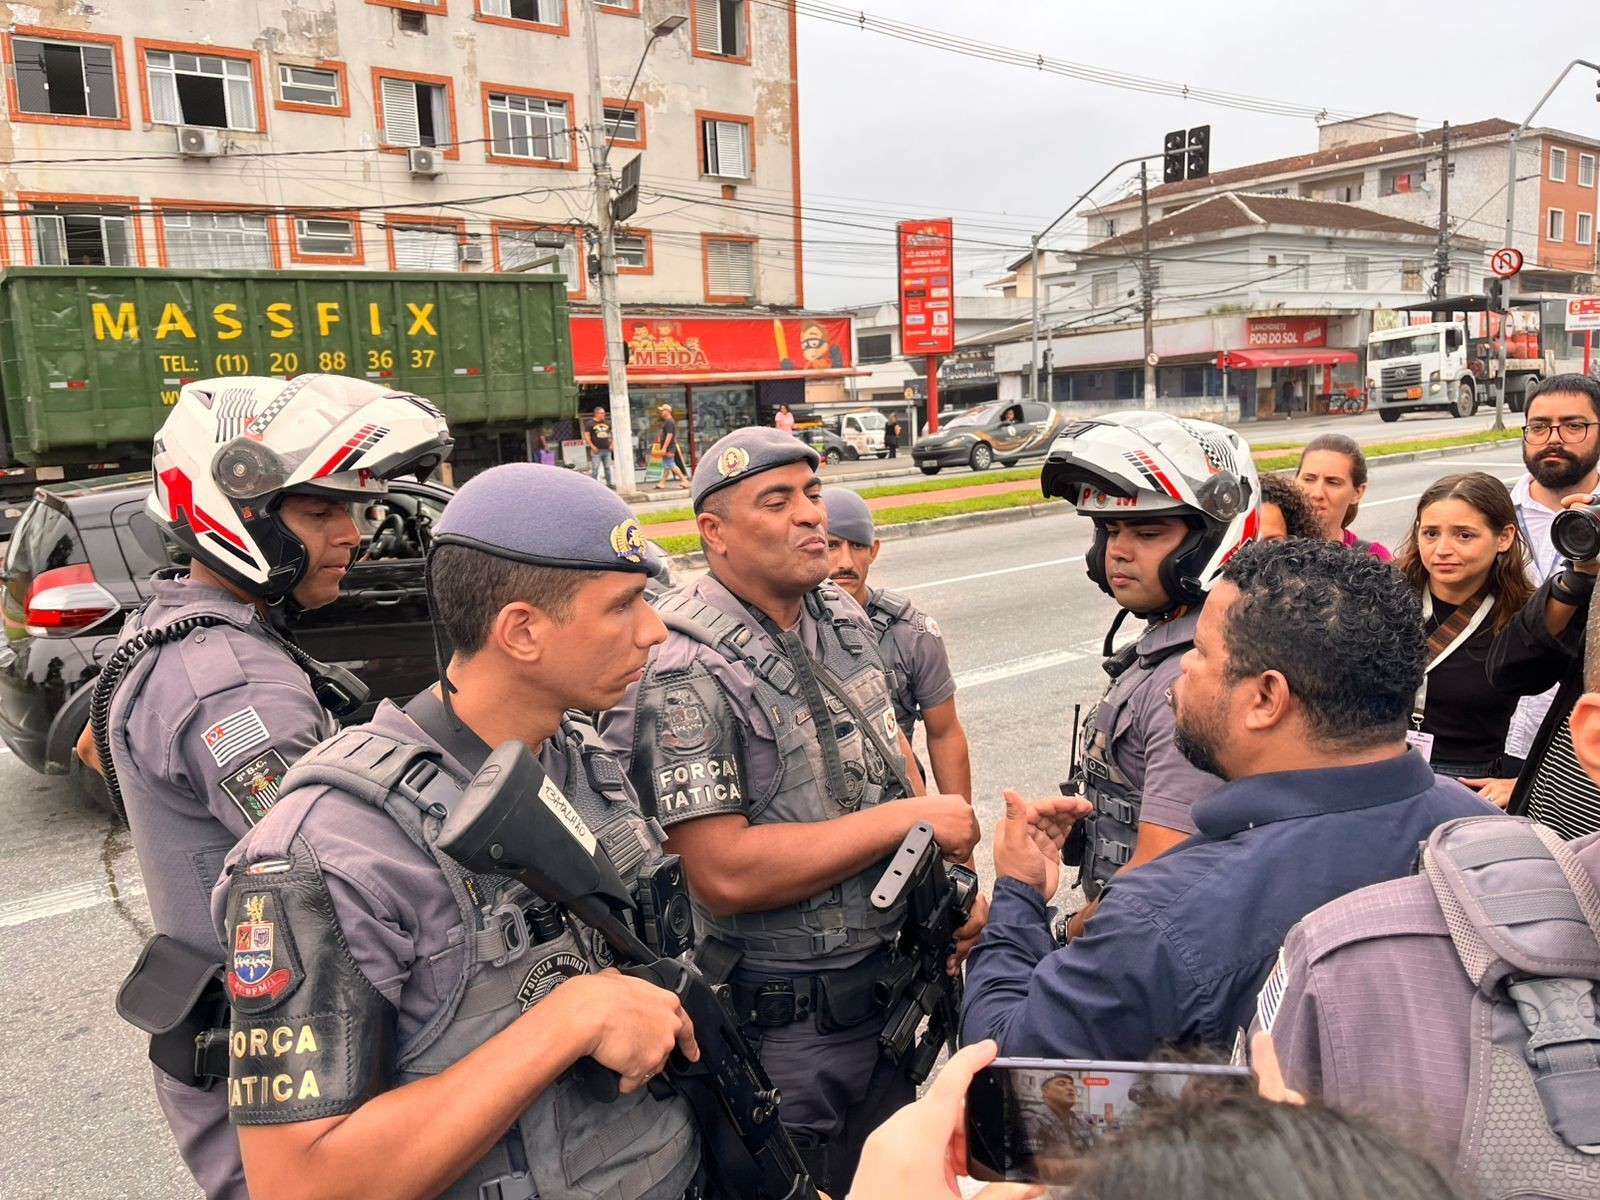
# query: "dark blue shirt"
1178, 948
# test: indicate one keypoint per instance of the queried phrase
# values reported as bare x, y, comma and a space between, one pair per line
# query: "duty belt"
772, 999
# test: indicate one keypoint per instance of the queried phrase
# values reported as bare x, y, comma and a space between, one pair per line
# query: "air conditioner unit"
471, 252
197, 141
424, 161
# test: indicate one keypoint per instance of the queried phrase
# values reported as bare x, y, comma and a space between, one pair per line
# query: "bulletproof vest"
1523, 914
180, 853
1112, 829
565, 1145
841, 922
885, 609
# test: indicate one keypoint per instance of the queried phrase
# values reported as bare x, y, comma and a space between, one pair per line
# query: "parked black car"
1004, 431
829, 444
81, 559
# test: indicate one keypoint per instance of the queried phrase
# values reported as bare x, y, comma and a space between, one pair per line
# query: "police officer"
395, 1015
764, 738
1170, 500
909, 642
207, 701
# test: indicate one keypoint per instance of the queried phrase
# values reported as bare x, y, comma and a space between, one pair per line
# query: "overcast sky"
890, 129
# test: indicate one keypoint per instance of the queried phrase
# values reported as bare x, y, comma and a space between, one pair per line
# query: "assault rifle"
939, 900
512, 820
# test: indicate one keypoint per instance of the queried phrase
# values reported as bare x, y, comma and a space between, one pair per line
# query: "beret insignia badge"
627, 541
735, 461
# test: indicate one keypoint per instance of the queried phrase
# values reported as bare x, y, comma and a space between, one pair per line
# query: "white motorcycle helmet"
233, 448
1126, 465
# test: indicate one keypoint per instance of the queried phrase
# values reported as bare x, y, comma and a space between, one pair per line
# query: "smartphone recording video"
1030, 1120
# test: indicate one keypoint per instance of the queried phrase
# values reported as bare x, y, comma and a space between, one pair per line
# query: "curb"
695, 559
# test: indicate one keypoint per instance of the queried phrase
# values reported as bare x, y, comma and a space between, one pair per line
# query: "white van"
863, 433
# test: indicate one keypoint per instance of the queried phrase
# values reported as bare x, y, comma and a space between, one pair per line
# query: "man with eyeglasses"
1540, 654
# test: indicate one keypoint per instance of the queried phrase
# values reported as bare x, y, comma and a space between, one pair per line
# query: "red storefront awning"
1312, 356
728, 376
717, 347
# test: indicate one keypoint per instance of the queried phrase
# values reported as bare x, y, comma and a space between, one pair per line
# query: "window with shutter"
727, 148
730, 268
400, 124
719, 28
425, 249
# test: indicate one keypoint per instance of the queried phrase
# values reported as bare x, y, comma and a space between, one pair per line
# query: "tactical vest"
180, 896
841, 922
1112, 829
885, 610
1523, 914
565, 1146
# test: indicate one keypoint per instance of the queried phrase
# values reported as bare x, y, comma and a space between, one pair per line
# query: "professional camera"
666, 918
1576, 533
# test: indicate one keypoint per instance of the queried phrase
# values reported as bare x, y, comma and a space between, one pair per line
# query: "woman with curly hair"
1285, 511
1467, 560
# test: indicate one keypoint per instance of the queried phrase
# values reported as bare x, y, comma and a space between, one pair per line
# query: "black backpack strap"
732, 639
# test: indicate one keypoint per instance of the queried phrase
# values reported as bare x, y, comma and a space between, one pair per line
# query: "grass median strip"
915, 487
687, 543
1278, 462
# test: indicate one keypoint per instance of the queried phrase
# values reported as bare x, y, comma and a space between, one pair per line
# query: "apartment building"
1386, 163
431, 135
1279, 291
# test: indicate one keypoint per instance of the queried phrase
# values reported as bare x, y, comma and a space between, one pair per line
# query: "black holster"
175, 994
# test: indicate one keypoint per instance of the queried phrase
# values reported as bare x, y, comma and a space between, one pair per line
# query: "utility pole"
1146, 288
1033, 346
1441, 268
610, 305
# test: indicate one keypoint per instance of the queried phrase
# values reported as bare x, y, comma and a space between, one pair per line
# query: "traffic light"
1199, 158
1494, 295
1173, 149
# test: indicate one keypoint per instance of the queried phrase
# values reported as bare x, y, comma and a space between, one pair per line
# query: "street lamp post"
610, 305
1033, 355
1511, 217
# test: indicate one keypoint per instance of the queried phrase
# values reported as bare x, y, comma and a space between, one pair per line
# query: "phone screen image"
1031, 1120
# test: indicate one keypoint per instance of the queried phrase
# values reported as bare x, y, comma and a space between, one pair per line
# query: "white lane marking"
1014, 667
65, 900
1049, 562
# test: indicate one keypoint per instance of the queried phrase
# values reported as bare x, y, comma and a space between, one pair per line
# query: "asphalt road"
1024, 626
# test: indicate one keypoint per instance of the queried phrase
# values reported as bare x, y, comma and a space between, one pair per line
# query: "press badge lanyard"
1476, 611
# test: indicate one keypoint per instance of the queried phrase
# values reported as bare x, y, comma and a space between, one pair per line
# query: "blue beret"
547, 516
743, 453
848, 516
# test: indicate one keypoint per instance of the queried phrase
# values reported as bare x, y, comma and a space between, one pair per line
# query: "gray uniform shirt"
391, 901
1375, 1010
1143, 749
209, 725
921, 666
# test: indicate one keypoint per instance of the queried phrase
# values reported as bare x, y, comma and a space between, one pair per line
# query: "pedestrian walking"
671, 455
891, 436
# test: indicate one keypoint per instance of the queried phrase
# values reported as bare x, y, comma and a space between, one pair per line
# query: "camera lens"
1576, 533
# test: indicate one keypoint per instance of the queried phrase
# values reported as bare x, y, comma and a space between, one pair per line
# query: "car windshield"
981, 415
869, 420
1405, 347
